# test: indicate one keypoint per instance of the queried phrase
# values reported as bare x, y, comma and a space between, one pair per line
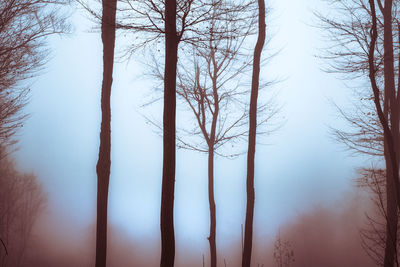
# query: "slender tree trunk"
168, 178
391, 216
248, 235
391, 203
104, 161
390, 256
387, 131
211, 147
391, 104
211, 200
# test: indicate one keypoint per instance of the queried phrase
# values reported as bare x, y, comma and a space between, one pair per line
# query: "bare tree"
150, 21
188, 22
209, 85
24, 28
21, 201
283, 252
373, 235
248, 235
178, 21
364, 52
389, 132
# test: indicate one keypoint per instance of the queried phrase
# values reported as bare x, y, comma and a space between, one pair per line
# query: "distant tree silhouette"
104, 160
373, 235
24, 28
21, 201
367, 138
364, 52
283, 252
248, 234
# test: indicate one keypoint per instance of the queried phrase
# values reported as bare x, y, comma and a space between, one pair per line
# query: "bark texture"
169, 129
104, 161
248, 235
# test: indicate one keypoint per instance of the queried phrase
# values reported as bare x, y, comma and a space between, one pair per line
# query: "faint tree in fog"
24, 28
373, 236
248, 234
21, 201
367, 138
104, 160
283, 252
361, 50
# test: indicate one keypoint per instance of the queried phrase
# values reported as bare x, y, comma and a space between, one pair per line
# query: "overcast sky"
300, 169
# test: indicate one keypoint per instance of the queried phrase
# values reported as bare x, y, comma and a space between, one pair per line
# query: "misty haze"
199, 133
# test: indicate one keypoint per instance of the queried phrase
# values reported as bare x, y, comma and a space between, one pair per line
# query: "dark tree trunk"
391, 219
390, 135
104, 161
391, 204
211, 200
391, 105
248, 235
168, 178
211, 148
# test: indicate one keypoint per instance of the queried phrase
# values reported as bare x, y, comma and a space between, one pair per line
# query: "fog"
323, 236
305, 188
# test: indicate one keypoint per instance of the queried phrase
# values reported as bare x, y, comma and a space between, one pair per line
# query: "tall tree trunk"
391, 105
104, 161
211, 200
391, 203
211, 147
391, 215
248, 235
168, 178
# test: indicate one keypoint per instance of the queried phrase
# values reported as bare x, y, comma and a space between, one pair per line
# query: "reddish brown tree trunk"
211, 200
211, 148
390, 97
248, 235
390, 134
104, 161
168, 178
391, 218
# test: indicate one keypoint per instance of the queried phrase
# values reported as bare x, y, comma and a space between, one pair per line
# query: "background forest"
325, 179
